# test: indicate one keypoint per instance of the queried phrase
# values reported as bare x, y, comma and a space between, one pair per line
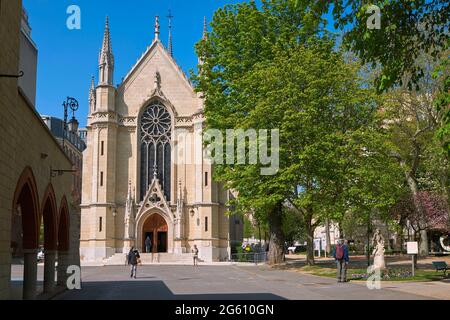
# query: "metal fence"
250, 257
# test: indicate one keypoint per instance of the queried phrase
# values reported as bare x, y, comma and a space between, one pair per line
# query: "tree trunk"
276, 244
423, 244
309, 237
420, 211
445, 186
399, 240
327, 234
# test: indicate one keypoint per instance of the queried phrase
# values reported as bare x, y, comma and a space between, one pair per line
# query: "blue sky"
68, 58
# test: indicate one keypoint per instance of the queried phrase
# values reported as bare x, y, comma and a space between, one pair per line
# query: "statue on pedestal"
378, 250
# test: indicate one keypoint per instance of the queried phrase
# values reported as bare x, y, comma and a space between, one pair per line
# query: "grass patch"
392, 274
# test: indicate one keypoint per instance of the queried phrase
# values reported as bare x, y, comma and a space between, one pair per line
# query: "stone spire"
170, 46
205, 28
205, 35
92, 96
106, 58
157, 28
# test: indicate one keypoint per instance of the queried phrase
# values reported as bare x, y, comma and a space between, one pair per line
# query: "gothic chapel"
144, 170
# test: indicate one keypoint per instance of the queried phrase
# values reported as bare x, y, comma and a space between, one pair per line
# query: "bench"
441, 266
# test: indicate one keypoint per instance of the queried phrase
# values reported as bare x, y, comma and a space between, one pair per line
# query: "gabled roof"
150, 49
155, 199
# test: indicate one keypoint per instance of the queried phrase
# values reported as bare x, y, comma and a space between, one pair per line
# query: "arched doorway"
49, 234
25, 234
156, 228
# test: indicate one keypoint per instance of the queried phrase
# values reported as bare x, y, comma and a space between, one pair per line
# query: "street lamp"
71, 103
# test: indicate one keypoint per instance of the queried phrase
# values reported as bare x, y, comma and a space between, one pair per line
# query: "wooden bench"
441, 266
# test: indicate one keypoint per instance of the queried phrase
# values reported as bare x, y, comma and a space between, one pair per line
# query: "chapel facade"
145, 173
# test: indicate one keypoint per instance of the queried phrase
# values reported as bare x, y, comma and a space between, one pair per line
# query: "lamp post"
71, 103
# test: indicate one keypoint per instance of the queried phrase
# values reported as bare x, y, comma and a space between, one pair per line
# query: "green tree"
408, 30
243, 36
442, 101
412, 122
256, 76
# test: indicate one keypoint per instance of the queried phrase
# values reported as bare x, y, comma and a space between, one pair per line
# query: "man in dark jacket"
340, 254
133, 257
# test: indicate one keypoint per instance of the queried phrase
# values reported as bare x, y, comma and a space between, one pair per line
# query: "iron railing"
250, 257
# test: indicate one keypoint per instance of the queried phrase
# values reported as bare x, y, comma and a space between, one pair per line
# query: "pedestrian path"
158, 282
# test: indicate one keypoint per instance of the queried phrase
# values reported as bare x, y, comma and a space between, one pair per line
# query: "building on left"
36, 202
71, 138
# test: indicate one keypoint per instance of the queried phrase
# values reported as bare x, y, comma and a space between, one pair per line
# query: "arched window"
155, 134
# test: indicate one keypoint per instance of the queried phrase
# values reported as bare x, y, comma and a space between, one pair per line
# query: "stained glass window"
155, 133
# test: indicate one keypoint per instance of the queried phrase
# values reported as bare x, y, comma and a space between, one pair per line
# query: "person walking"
340, 254
195, 252
133, 257
148, 245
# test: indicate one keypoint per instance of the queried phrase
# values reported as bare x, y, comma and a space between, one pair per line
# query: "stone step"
148, 258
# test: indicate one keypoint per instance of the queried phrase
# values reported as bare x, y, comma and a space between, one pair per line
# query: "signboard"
412, 247
317, 244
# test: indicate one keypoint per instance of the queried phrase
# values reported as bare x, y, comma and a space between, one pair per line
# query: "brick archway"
26, 205
25, 230
49, 217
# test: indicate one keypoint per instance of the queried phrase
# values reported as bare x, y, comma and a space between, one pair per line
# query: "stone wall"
26, 142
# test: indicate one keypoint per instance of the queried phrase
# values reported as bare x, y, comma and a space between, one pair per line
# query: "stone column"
29, 274
49, 271
63, 257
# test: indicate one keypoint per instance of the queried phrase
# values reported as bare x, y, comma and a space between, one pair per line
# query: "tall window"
155, 133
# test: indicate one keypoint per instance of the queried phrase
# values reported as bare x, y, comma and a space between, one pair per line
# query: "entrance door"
144, 247
162, 241
156, 227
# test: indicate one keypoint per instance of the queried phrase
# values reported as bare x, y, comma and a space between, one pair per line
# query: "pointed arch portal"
156, 228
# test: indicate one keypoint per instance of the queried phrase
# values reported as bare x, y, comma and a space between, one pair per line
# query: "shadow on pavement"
149, 290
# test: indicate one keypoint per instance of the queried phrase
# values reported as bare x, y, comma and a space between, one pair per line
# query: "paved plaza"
231, 283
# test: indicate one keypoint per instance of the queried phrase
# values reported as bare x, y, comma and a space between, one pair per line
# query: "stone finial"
170, 45
157, 28
106, 58
106, 53
205, 28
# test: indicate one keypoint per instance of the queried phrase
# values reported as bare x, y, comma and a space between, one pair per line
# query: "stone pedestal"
49, 271
29, 274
